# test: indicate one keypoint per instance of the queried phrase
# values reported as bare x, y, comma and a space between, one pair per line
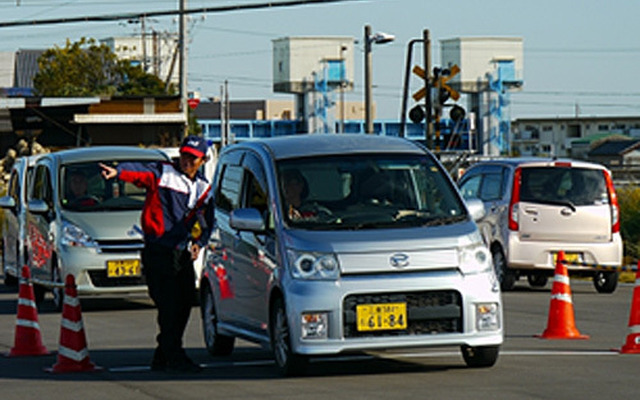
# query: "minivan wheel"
537, 279
605, 281
58, 289
506, 277
39, 292
217, 345
9, 280
481, 356
287, 362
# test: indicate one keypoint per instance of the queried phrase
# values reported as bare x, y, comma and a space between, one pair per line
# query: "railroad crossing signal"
444, 90
419, 95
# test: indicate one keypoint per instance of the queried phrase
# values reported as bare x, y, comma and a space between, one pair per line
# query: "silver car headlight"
475, 259
313, 266
74, 236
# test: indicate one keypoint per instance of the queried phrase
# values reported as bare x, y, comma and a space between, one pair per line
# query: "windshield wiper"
562, 203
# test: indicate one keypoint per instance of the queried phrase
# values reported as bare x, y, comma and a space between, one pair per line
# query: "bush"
629, 200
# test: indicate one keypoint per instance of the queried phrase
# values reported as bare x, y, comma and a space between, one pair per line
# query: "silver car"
331, 243
14, 242
536, 207
78, 223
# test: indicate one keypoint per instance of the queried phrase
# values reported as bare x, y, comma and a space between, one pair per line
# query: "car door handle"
531, 211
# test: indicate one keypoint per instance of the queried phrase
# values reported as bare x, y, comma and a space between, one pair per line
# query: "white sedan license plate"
383, 316
123, 268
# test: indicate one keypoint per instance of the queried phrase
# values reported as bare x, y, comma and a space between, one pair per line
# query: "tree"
85, 68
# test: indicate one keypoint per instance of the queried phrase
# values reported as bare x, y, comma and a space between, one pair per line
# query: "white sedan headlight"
475, 259
313, 266
74, 236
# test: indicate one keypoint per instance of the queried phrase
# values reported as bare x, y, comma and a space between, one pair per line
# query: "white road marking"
435, 354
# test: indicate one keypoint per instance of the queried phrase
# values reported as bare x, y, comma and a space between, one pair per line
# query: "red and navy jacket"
173, 204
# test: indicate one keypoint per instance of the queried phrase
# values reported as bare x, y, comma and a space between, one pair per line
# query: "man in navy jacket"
178, 196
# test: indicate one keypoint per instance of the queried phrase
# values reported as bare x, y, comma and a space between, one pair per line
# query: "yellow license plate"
121, 268
384, 316
569, 257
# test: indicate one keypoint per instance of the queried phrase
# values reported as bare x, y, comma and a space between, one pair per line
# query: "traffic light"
417, 114
457, 113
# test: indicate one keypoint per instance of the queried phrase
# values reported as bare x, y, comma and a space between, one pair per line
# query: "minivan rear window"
577, 186
373, 191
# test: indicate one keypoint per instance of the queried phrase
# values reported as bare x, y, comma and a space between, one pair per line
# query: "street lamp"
343, 48
377, 38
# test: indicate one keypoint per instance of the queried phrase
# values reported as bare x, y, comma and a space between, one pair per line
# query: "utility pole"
183, 63
428, 126
367, 80
143, 34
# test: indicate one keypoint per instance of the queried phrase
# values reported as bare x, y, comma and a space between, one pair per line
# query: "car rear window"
579, 186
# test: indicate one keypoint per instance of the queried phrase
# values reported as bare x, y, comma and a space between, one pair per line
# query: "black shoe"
183, 366
158, 363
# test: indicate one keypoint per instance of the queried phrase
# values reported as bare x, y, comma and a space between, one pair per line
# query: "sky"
580, 58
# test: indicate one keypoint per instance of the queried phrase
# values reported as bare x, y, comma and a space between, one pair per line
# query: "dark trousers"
171, 281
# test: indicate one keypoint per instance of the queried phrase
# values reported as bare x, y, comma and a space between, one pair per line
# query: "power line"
202, 10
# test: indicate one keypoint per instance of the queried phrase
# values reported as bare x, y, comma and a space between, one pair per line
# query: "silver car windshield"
82, 188
370, 191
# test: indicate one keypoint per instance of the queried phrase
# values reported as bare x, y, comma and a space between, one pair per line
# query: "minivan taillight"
515, 199
613, 201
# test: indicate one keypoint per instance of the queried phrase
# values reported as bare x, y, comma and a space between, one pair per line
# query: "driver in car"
77, 193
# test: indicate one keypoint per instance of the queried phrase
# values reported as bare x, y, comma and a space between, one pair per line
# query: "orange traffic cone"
28, 340
632, 346
73, 355
561, 323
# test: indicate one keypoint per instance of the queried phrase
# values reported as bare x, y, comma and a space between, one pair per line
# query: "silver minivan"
325, 244
536, 207
78, 223
14, 243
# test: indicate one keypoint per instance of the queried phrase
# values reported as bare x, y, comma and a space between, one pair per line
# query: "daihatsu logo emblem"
399, 260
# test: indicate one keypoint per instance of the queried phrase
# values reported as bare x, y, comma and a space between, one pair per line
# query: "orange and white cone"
561, 323
632, 346
28, 340
73, 355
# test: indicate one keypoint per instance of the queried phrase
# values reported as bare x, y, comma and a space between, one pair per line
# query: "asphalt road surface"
120, 336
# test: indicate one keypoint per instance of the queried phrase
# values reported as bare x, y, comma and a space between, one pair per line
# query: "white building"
157, 53
564, 137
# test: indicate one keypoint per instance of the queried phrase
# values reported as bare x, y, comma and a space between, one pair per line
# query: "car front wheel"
481, 356
506, 277
287, 362
58, 288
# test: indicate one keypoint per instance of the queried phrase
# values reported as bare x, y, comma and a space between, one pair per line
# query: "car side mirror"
37, 206
7, 202
247, 219
476, 209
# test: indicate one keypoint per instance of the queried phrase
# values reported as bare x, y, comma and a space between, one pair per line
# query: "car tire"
537, 280
58, 289
9, 280
39, 292
605, 281
506, 277
287, 362
481, 356
217, 344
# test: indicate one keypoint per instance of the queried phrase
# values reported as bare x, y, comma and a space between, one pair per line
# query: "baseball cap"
194, 145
